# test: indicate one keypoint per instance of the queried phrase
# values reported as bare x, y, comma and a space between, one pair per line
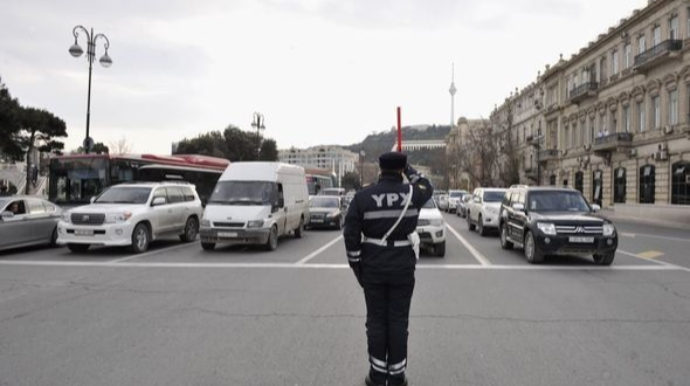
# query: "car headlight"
255, 224
334, 214
436, 223
66, 217
547, 228
205, 223
609, 230
114, 218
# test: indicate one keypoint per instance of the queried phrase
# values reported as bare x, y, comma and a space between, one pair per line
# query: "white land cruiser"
133, 215
431, 229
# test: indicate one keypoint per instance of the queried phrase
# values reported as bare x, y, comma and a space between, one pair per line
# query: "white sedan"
431, 229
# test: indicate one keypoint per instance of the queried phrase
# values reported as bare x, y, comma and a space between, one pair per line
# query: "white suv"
483, 208
133, 215
432, 229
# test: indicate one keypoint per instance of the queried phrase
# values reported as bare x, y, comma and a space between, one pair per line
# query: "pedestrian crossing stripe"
650, 255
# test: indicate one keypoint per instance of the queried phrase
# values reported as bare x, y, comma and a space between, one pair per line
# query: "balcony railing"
613, 142
658, 54
548, 155
583, 91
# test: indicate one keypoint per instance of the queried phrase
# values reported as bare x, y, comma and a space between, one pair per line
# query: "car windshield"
244, 193
124, 195
557, 202
457, 194
429, 204
494, 196
323, 202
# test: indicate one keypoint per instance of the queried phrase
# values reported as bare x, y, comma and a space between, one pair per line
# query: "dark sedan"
326, 211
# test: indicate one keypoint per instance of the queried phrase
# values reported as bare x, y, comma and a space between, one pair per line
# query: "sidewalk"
611, 215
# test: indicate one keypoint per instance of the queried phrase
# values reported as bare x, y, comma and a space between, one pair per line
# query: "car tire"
440, 249
208, 246
532, 253
141, 238
191, 230
78, 248
505, 243
604, 258
481, 228
53, 238
272, 242
299, 232
470, 226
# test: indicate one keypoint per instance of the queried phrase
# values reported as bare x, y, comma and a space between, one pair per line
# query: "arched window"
647, 184
579, 181
680, 183
619, 182
552, 180
597, 187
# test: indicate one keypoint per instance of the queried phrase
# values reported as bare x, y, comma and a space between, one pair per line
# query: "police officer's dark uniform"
385, 269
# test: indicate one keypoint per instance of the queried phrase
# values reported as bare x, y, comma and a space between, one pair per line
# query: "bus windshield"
77, 179
244, 193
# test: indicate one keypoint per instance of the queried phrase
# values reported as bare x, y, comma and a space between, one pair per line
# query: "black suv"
555, 221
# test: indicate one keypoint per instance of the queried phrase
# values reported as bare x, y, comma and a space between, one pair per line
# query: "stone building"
616, 115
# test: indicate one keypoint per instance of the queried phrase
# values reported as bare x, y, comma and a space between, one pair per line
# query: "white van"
255, 203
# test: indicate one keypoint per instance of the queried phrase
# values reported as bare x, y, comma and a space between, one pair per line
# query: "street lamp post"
258, 124
105, 61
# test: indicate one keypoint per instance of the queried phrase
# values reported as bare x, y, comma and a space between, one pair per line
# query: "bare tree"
119, 147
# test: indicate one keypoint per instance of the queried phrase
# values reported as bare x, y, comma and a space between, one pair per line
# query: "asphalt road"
240, 316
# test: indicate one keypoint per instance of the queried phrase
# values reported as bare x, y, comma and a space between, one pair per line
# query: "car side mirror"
93, 199
519, 207
596, 208
158, 201
7, 215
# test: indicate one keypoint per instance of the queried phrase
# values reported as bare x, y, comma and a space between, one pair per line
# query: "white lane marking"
659, 262
635, 235
468, 267
319, 251
151, 253
477, 255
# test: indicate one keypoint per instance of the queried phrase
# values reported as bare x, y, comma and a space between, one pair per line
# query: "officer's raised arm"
353, 238
423, 190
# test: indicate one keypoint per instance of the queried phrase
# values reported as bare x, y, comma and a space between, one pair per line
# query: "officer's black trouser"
388, 311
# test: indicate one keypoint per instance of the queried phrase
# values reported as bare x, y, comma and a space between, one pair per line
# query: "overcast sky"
321, 71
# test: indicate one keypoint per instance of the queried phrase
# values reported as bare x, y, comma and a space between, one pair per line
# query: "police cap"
392, 161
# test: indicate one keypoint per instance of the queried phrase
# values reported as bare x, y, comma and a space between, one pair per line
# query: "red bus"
74, 179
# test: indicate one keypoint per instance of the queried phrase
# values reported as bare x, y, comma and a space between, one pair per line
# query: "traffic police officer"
380, 240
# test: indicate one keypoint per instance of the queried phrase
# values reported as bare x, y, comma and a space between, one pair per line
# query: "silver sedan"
26, 220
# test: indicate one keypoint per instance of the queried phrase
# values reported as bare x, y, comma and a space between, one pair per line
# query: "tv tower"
452, 91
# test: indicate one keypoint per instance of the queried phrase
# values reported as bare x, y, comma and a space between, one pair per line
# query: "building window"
673, 107
579, 181
656, 35
591, 130
673, 28
552, 180
614, 61
641, 44
619, 185
640, 117
597, 186
628, 55
626, 119
656, 107
603, 70
566, 138
680, 183
583, 133
647, 184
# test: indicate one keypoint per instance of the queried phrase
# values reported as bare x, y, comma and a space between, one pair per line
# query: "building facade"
333, 158
616, 115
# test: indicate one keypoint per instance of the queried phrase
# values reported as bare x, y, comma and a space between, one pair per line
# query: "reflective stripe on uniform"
390, 213
354, 253
397, 371
398, 366
381, 243
353, 259
378, 365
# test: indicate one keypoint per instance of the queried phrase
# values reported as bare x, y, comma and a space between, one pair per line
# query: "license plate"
582, 240
316, 221
227, 234
83, 232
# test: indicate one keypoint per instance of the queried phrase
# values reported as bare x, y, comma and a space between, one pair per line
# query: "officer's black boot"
397, 380
369, 382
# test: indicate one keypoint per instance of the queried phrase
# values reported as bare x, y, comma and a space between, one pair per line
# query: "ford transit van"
256, 203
